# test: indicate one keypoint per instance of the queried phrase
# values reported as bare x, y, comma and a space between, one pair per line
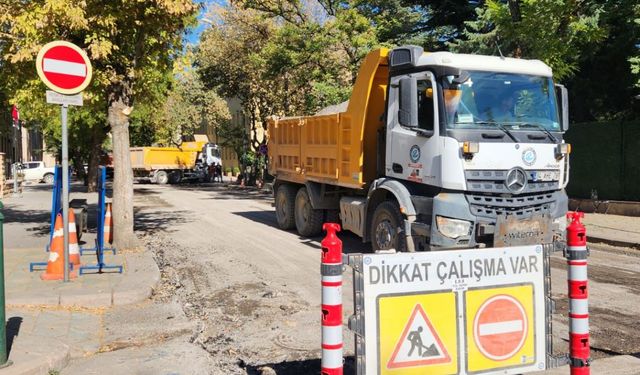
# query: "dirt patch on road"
242, 322
607, 274
612, 333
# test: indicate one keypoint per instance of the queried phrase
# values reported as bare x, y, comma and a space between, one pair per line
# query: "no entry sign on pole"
64, 67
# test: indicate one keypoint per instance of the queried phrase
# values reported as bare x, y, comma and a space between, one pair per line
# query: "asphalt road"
228, 244
248, 293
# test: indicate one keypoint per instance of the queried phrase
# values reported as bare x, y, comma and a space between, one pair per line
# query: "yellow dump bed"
340, 148
153, 158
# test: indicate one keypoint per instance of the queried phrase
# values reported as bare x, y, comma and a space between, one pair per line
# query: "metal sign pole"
14, 170
65, 190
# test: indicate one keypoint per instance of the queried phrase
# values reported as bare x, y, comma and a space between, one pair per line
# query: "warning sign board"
498, 329
418, 333
454, 312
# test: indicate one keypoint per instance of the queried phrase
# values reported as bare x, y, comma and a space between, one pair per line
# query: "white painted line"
64, 67
501, 327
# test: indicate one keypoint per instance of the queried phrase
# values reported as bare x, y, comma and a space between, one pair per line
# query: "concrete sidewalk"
613, 230
91, 290
52, 323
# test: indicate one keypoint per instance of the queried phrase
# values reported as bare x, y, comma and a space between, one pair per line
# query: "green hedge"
605, 158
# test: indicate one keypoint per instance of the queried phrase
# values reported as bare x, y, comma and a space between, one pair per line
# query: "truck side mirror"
408, 106
562, 96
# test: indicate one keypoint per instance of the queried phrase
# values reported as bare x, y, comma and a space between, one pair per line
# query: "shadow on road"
12, 330
305, 366
23, 216
148, 222
350, 242
144, 191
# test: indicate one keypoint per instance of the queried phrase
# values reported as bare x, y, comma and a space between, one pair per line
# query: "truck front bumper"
455, 208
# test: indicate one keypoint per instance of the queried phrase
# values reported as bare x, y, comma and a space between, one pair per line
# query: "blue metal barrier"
56, 202
100, 245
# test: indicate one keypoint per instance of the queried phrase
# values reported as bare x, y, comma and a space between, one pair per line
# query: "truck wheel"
285, 206
386, 228
308, 220
175, 178
162, 177
48, 178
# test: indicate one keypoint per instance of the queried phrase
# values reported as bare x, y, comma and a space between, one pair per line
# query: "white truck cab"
477, 143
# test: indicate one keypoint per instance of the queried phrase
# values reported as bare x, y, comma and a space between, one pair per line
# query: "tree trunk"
98, 134
78, 165
118, 117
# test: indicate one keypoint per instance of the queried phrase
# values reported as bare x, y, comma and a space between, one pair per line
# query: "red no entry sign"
500, 327
64, 67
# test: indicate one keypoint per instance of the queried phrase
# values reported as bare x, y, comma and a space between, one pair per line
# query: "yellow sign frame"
441, 307
474, 298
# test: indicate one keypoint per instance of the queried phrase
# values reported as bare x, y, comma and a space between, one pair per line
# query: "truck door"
412, 131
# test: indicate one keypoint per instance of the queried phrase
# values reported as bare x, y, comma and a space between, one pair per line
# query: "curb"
611, 207
37, 355
141, 276
617, 243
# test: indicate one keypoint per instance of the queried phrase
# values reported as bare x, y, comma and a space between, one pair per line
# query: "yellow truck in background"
190, 161
434, 151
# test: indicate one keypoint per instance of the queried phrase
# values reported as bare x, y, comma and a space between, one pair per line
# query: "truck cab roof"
485, 63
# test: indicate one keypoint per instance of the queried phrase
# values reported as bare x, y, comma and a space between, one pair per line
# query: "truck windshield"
215, 152
491, 99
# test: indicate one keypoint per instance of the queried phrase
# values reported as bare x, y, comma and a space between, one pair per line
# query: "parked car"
35, 170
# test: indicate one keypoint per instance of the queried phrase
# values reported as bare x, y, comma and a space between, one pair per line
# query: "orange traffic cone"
74, 247
108, 225
55, 265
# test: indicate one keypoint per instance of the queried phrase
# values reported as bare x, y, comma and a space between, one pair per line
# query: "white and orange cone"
108, 225
74, 247
55, 265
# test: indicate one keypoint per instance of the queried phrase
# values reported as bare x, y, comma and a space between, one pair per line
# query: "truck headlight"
453, 228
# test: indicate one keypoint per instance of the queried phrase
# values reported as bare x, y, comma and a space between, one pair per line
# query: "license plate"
545, 175
511, 231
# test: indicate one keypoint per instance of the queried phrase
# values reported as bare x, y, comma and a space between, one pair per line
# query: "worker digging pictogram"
419, 343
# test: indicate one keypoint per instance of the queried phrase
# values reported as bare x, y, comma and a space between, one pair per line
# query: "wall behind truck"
604, 158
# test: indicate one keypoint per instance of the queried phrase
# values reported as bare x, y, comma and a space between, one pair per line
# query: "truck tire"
48, 178
175, 177
308, 220
387, 228
285, 206
162, 177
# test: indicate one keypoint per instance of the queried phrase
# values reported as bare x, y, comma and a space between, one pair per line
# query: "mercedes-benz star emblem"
516, 180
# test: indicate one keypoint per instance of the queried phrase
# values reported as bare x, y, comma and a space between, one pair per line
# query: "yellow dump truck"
173, 164
434, 151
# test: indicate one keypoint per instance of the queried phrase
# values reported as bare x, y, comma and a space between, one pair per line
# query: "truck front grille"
488, 181
522, 206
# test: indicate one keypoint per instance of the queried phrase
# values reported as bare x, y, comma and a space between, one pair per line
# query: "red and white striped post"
331, 270
577, 253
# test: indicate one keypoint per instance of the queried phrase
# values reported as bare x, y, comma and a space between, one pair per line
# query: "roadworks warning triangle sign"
419, 344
